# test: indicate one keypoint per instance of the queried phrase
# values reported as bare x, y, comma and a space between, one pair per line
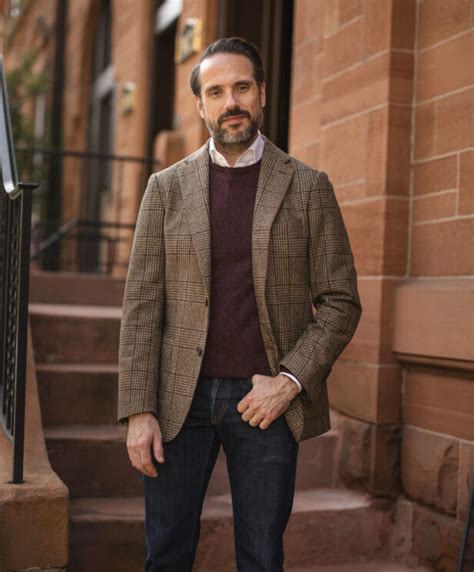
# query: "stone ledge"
34, 515
433, 322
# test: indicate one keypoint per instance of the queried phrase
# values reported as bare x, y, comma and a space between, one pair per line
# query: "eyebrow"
219, 86
211, 87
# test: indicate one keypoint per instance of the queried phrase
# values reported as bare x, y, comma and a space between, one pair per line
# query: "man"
219, 344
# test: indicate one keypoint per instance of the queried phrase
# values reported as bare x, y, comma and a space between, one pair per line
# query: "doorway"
269, 25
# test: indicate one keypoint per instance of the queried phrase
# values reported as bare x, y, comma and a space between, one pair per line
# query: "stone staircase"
76, 349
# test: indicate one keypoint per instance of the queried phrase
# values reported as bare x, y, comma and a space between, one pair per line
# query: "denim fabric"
261, 466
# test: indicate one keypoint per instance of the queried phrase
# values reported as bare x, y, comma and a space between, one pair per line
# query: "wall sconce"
189, 40
127, 97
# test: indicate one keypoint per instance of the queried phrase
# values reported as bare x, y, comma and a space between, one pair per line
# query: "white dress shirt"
249, 157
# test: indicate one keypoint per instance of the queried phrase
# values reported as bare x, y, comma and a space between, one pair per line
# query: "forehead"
222, 69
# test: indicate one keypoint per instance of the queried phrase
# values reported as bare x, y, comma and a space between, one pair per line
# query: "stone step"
88, 396
92, 460
326, 526
362, 566
87, 393
75, 288
317, 461
75, 334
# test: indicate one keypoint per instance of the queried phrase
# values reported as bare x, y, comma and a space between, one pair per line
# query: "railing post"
15, 236
22, 331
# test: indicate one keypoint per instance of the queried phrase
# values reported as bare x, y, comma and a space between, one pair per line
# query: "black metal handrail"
88, 155
15, 234
82, 233
82, 217
64, 230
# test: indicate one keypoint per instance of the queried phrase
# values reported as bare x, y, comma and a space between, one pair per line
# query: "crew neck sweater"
234, 346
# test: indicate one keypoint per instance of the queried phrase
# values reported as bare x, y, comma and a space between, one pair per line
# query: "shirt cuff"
293, 378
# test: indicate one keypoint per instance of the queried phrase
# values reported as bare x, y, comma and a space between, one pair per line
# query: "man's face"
231, 103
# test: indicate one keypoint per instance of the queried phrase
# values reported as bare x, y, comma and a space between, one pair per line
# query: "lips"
234, 118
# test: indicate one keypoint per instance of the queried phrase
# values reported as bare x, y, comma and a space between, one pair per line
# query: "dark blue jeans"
261, 466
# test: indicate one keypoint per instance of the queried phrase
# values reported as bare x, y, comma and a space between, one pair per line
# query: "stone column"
351, 117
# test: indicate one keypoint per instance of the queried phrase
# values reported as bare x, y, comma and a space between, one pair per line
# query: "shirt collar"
249, 156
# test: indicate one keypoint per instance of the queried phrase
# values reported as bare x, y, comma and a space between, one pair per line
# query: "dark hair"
237, 46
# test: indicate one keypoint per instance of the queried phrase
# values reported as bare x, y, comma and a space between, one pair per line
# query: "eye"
214, 93
242, 88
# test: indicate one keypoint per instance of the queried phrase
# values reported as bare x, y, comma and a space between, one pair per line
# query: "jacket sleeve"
334, 294
142, 313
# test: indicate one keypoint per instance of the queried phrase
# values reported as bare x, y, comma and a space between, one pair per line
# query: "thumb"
158, 448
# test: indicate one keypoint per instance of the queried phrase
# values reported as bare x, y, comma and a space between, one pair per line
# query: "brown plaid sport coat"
300, 257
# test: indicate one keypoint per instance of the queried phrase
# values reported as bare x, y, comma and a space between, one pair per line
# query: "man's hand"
142, 434
269, 398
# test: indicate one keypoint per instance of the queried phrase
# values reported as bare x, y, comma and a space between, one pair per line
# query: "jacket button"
199, 351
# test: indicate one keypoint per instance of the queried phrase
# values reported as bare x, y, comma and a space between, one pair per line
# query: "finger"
256, 418
141, 453
249, 413
132, 454
158, 450
146, 466
133, 459
243, 405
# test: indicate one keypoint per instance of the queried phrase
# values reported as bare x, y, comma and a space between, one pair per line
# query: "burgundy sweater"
234, 346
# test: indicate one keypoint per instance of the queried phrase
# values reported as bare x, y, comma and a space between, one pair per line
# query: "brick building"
380, 95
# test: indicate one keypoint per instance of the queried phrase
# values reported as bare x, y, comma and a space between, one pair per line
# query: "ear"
263, 94
199, 106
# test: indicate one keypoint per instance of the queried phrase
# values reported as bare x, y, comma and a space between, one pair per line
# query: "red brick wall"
382, 99
442, 204
351, 116
433, 327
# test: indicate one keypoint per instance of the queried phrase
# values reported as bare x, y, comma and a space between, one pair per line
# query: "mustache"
232, 113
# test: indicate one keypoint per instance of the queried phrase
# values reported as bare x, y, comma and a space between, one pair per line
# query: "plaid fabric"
301, 257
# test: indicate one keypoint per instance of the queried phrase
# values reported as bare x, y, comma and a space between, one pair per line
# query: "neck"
233, 151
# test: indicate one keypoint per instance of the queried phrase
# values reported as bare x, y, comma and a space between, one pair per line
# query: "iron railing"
92, 228
86, 246
15, 226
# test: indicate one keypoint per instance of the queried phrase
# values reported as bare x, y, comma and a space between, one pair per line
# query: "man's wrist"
290, 386
293, 379
141, 415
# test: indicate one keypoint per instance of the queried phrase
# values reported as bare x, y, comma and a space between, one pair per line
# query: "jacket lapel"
194, 182
276, 173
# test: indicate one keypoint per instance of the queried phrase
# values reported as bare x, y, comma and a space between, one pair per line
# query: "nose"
231, 100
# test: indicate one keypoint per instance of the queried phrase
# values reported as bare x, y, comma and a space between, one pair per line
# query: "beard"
230, 139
